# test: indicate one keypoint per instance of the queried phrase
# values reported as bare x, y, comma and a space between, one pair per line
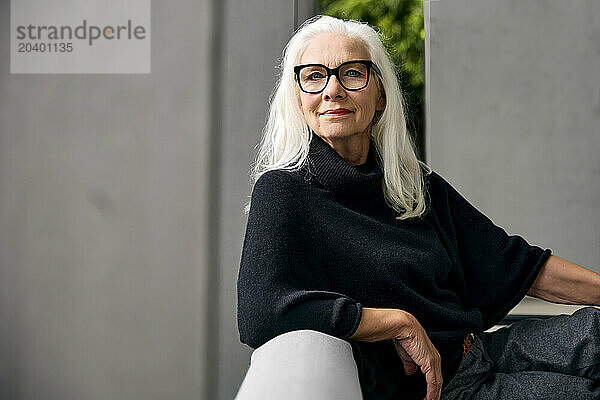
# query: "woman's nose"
333, 89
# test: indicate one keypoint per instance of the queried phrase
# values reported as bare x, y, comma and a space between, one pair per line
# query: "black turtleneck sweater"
321, 243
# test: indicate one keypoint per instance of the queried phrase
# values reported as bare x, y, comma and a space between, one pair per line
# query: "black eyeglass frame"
335, 71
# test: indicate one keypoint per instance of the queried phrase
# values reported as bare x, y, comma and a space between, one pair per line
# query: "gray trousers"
554, 358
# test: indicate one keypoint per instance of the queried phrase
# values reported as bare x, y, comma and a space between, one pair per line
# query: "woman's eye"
354, 73
314, 76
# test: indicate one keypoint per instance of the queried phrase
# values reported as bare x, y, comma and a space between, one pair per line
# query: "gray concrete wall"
121, 219
103, 182
254, 40
513, 115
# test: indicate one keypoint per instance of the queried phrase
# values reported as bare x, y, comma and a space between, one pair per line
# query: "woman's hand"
411, 342
416, 351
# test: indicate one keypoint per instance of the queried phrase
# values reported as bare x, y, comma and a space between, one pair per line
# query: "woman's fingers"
422, 353
433, 377
409, 365
430, 365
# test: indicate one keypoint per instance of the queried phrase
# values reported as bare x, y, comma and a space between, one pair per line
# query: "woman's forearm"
382, 324
561, 281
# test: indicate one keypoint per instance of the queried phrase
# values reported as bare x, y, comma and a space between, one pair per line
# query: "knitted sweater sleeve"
279, 285
498, 269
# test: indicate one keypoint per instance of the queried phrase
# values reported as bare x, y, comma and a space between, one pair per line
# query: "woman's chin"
337, 134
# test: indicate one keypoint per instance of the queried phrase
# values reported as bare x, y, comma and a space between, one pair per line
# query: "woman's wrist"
378, 324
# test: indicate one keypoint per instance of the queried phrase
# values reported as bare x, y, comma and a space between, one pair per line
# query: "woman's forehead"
332, 49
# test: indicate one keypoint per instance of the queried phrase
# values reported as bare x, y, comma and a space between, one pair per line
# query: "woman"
350, 235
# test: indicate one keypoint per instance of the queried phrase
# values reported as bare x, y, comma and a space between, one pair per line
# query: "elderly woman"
350, 235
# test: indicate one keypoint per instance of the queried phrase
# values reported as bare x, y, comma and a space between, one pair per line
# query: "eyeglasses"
352, 75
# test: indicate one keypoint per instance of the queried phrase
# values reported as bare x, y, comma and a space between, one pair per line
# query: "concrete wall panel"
513, 115
103, 182
256, 34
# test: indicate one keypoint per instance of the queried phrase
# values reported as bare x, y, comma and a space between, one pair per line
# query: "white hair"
286, 135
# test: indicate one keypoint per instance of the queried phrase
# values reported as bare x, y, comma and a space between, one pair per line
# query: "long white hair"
286, 135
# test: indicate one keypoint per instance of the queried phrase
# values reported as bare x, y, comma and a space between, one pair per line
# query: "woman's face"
331, 50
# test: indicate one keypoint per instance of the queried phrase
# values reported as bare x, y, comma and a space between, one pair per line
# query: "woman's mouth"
336, 112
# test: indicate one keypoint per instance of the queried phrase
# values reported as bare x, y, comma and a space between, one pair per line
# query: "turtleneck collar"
337, 175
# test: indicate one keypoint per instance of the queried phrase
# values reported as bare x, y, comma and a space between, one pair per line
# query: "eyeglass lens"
352, 76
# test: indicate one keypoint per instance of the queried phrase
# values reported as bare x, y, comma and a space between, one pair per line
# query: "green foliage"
400, 24
399, 21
